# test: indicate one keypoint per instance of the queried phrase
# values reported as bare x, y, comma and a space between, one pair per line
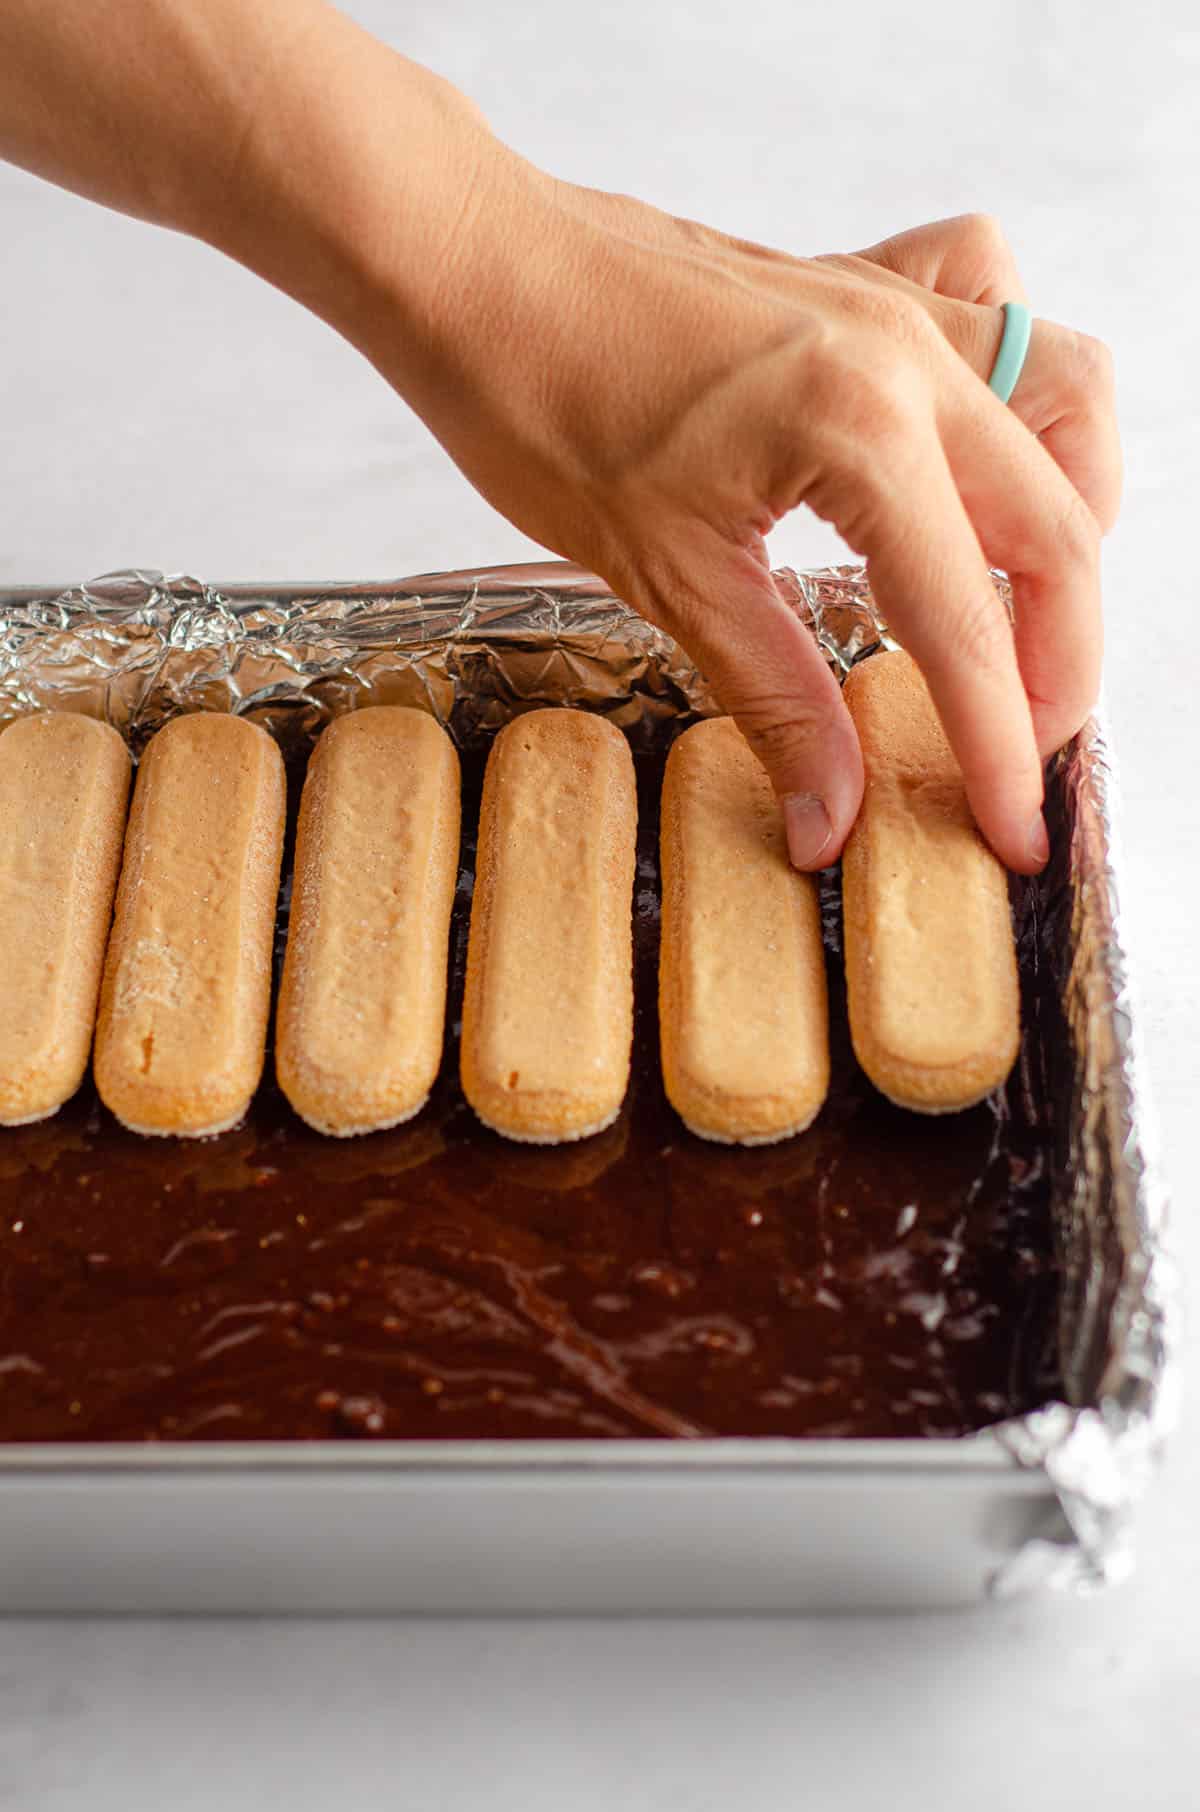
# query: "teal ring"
1014, 344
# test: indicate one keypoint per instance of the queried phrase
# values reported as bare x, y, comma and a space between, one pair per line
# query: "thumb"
768, 673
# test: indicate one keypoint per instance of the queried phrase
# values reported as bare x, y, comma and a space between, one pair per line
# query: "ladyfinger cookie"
187, 980
362, 1005
743, 1015
548, 1012
931, 968
64, 783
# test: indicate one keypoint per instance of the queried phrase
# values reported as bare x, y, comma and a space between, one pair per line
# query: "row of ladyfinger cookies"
184, 990
931, 973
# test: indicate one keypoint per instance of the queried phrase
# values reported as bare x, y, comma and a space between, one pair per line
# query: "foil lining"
475, 647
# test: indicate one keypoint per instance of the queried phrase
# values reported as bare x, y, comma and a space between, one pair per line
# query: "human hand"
640, 393
649, 397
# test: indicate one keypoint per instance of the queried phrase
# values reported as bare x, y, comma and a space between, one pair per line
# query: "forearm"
138, 104
275, 130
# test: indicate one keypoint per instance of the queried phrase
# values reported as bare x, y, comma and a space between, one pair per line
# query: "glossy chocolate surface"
882, 1274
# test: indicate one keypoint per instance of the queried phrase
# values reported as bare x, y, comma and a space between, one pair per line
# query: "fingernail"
808, 829
1039, 842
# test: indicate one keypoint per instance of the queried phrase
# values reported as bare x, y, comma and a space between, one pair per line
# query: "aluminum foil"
475, 647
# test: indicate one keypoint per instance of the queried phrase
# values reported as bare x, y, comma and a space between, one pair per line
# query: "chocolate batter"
881, 1274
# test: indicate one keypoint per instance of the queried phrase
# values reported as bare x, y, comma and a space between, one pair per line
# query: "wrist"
354, 187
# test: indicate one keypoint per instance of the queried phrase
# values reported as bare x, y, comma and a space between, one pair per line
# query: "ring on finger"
1014, 344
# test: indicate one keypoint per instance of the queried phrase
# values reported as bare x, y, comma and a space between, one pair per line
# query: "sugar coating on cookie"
187, 981
548, 1008
931, 968
743, 1013
363, 999
64, 785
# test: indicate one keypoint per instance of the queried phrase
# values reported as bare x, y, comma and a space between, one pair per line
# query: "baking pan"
697, 1524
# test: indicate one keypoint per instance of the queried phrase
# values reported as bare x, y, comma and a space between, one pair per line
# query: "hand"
639, 393
649, 397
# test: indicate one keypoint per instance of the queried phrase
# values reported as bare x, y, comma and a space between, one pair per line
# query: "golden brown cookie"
64, 783
743, 1014
548, 1013
363, 1000
187, 980
931, 969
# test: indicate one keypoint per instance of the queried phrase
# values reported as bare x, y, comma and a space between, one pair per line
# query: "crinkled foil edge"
475, 647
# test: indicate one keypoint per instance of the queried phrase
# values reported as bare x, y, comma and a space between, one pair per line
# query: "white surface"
158, 407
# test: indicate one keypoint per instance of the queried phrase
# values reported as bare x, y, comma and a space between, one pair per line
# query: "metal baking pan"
705, 1524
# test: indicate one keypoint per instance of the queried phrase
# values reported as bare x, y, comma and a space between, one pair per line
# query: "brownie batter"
881, 1274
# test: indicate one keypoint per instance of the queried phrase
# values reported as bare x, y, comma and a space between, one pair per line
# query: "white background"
159, 407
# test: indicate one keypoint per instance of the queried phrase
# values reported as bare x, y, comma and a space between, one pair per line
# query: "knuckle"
982, 634
887, 412
1093, 364
883, 309
1056, 720
869, 399
983, 233
1064, 701
905, 319
1083, 365
1079, 533
782, 731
